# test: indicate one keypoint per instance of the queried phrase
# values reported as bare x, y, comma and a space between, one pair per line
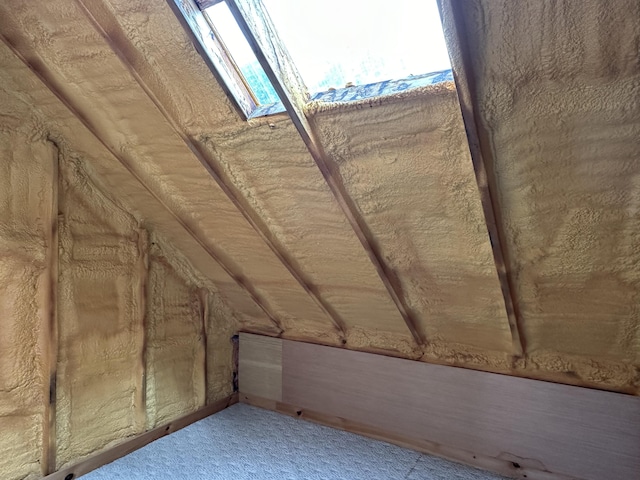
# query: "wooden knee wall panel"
514, 426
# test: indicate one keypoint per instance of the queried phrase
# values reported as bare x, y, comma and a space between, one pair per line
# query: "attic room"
432, 273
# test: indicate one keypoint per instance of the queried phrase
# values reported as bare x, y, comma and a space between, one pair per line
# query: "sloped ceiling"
551, 89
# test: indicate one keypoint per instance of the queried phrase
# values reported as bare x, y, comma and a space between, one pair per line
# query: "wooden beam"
41, 71
51, 322
262, 36
203, 297
140, 401
115, 38
203, 4
479, 146
135, 443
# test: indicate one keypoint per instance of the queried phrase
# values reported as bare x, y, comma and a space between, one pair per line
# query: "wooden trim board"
128, 446
514, 426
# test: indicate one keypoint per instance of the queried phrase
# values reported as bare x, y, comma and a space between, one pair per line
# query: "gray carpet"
244, 442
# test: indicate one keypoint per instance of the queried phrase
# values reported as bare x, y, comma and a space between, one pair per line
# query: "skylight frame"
215, 54
260, 33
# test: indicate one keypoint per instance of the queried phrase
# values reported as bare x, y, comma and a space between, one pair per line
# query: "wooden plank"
51, 323
480, 156
260, 366
41, 71
140, 441
119, 44
262, 36
562, 429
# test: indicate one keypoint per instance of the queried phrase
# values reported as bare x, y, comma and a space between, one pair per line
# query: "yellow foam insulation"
405, 163
104, 285
111, 100
26, 161
557, 98
99, 377
185, 317
560, 103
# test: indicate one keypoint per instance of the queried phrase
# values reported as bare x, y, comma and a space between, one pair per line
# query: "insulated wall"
106, 330
25, 213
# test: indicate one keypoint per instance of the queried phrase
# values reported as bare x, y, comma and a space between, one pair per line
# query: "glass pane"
336, 42
230, 34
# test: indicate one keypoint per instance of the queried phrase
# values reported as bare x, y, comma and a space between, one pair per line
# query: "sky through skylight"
334, 43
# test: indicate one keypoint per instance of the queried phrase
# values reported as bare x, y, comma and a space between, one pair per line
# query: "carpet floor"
248, 443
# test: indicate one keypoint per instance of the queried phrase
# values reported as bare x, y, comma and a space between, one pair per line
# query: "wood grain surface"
539, 427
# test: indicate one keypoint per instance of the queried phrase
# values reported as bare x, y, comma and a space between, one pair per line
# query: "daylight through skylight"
335, 42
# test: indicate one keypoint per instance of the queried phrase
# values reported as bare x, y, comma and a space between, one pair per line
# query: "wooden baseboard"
501, 466
132, 444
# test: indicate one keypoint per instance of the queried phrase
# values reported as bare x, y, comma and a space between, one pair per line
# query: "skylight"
333, 44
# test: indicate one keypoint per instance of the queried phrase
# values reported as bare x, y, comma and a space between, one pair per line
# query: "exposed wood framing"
207, 3
51, 324
451, 12
135, 443
203, 297
116, 39
287, 82
140, 403
41, 71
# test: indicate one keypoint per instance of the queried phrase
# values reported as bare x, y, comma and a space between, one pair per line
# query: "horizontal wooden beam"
135, 443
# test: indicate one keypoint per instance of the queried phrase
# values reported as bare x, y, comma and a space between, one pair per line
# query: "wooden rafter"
451, 12
141, 375
51, 324
280, 70
115, 39
40, 70
203, 297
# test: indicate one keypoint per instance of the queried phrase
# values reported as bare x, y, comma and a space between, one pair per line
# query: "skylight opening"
335, 46
337, 43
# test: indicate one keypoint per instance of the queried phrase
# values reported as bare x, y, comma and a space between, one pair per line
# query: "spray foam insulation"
100, 320
25, 217
559, 103
110, 280
561, 109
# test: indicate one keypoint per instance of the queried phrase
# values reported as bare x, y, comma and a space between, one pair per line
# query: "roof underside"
550, 91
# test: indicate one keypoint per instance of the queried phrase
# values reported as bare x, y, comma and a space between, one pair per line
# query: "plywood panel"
260, 366
539, 427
